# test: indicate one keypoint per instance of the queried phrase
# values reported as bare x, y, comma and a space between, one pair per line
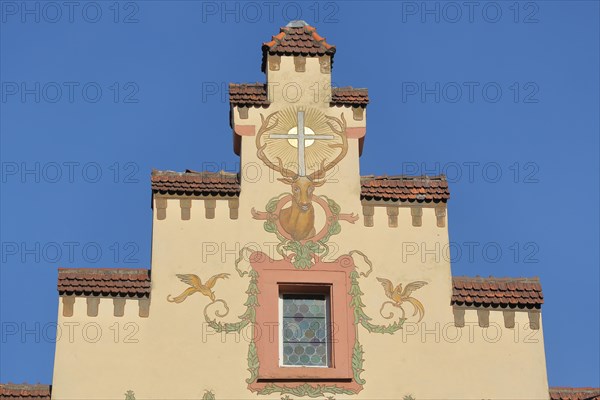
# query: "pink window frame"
278, 276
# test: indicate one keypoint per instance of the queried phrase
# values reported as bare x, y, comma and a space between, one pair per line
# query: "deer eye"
296, 190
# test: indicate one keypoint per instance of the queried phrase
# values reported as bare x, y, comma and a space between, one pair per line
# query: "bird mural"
196, 285
399, 296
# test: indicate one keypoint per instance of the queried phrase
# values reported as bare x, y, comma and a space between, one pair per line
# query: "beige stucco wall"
174, 354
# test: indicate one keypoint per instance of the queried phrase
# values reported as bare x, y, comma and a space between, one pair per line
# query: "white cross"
301, 137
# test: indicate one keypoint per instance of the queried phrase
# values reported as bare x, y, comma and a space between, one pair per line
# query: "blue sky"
502, 97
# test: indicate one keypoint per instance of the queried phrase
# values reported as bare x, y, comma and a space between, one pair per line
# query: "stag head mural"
292, 142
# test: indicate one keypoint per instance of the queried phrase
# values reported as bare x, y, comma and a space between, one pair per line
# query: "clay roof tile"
503, 292
112, 282
11, 391
228, 184
295, 40
399, 188
255, 94
567, 393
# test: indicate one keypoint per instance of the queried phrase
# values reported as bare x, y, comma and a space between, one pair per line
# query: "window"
305, 330
318, 316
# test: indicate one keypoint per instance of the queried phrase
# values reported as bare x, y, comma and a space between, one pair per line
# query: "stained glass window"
305, 330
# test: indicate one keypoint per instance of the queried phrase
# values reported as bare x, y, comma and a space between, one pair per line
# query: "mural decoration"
196, 286
129, 395
360, 316
305, 389
293, 142
208, 395
288, 145
399, 296
303, 253
302, 145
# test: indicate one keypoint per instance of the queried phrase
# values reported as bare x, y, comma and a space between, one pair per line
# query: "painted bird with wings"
399, 296
196, 285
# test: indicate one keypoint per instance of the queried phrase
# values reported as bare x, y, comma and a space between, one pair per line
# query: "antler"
287, 173
341, 132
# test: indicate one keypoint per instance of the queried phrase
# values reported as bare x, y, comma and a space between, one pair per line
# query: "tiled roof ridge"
256, 94
24, 384
571, 393
248, 94
248, 84
441, 177
535, 279
104, 270
421, 188
196, 182
276, 40
25, 391
131, 282
388, 188
297, 40
221, 173
521, 292
357, 89
348, 95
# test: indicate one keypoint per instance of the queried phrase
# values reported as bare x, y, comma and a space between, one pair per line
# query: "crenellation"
274, 62
392, 212
144, 307
97, 306
209, 203
300, 63
440, 214
119, 306
93, 304
484, 314
234, 205
416, 213
534, 319
325, 63
459, 317
358, 113
68, 303
161, 208
209, 208
395, 210
483, 317
186, 209
368, 213
509, 318
243, 112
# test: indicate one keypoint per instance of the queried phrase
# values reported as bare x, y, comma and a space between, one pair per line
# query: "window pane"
305, 330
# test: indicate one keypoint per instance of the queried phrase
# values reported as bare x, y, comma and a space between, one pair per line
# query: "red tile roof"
123, 282
248, 94
255, 94
196, 183
497, 292
297, 41
349, 96
11, 391
565, 393
405, 188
